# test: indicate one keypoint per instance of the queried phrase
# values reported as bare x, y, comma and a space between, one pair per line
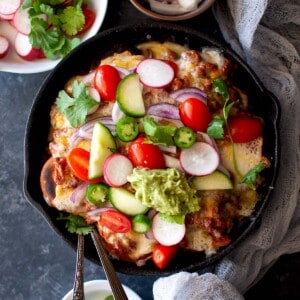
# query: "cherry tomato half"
115, 221
89, 18
162, 255
195, 114
146, 155
78, 161
105, 81
245, 129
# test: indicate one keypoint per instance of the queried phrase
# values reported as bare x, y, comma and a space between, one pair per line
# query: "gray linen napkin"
266, 33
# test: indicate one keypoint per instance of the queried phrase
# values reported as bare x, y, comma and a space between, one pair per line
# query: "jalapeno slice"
97, 193
127, 129
184, 137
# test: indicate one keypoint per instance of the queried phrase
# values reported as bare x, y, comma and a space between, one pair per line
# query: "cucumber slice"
125, 202
214, 181
129, 96
103, 144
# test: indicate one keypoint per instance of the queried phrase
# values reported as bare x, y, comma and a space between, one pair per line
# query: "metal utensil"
78, 289
111, 275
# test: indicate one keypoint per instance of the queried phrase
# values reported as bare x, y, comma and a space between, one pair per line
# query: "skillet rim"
33, 195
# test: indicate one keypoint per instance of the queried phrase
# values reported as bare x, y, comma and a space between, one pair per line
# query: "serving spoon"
111, 275
110, 272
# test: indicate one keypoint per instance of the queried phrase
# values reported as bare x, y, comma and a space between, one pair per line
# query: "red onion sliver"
185, 93
75, 139
209, 140
88, 79
98, 211
223, 170
79, 193
164, 110
123, 71
149, 235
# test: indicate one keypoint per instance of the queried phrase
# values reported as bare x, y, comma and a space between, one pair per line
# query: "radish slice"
8, 7
185, 93
24, 49
200, 159
164, 110
116, 168
155, 73
4, 46
167, 233
6, 17
21, 21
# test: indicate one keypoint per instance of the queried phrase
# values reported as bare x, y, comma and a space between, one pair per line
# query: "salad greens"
54, 23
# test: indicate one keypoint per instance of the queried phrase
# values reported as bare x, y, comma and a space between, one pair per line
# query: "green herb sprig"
75, 224
252, 174
75, 108
54, 25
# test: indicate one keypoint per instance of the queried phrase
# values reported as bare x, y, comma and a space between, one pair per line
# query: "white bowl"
14, 64
99, 289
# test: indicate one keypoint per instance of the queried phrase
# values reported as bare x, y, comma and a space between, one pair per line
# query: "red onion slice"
86, 130
164, 110
123, 71
98, 211
79, 193
185, 93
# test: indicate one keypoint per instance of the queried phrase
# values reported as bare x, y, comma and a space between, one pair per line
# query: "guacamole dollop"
166, 190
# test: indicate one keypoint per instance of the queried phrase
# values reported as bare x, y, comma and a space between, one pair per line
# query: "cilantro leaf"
77, 107
76, 224
215, 128
221, 88
72, 20
53, 24
251, 176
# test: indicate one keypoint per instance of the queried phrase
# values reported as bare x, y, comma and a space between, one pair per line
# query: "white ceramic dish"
99, 289
14, 64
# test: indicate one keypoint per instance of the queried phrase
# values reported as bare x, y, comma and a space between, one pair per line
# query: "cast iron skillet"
81, 60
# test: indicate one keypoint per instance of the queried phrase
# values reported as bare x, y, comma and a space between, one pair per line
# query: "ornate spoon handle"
78, 289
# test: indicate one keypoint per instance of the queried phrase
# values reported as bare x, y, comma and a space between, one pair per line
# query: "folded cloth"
192, 286
266, 34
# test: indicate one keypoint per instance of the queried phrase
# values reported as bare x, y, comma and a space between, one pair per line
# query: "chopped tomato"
106, 81
162, 255
115, 221
195, 114
78, 161
245, 129
146, 155
89, 18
